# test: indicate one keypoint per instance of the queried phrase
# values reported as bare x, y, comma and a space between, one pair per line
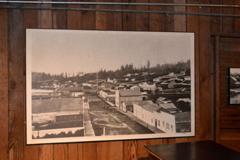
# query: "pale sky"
72, 51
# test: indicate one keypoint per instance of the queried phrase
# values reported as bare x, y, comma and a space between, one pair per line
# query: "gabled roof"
169, 107
151, 107
148, 105
129, 93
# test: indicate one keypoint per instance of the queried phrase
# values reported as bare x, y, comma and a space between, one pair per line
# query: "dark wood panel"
30, 19
16, 84
237, 20
228, 22
102, 17
74, 18
233, 144
216, 22
155, 20
88, 18
205, 73
115, 18
4, 84
142, 19
180, 20
45, 17
129, 19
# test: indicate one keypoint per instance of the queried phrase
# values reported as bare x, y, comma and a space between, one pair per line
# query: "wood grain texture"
45, 17
90, 151
237, 20
16, 84
88, 18
74, 17
155, 20
205, 77
30, 21
180, 20
60, 152
130, 150
116, 18
168, 19
228, 22
142, 19
129, 19
102, 17
4, 84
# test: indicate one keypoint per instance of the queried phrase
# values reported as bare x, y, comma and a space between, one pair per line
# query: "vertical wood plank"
60, 152
80, 151
59, 17
30, 19
167, 19
217, 84
129, 19
45, 17
16, 84
90, 151
103, 149
180, 20
130, 150
237, 20
116, 150
142, 19
216, 22
88, 18
205, 75
155, 20
228, 22
74, 18
45, 152
4, 84
73, 151
115, 18
102, 17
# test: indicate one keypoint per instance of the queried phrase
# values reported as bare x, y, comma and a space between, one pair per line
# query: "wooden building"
215, 23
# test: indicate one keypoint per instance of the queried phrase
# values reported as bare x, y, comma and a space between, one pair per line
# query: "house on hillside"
148, 86
67, 92
126, 96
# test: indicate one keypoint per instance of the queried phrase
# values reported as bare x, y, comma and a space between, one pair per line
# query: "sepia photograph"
110, 85
234, 85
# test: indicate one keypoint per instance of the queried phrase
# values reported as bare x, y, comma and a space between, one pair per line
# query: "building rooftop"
129, 93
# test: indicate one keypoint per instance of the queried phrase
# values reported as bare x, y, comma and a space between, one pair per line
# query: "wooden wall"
13, 24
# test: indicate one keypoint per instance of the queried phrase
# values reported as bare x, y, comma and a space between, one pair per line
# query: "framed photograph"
108, 85
234, 85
